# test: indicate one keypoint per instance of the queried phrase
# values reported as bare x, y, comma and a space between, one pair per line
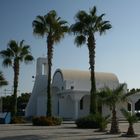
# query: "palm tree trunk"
91, 48
16, 75
130, 131
50, 55
114, 123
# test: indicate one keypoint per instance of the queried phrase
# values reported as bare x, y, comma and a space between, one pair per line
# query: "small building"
70, 91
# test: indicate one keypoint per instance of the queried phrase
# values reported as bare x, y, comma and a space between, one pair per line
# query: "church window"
72, 87
62, 88
81, 104
129, 107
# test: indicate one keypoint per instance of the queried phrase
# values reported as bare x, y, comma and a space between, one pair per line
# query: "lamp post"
0, 104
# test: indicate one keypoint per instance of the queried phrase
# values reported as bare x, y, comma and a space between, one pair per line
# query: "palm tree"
3, 81
112, 98
85, 27
51, 26
12, 56
131, 118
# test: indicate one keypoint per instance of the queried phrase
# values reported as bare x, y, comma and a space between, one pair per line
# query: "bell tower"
41, 66
37, 102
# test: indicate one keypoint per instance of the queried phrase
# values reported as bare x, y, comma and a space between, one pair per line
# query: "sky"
117, 51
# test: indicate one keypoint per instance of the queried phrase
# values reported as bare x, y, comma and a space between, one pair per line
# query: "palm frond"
119, 89
39, 27
25, 50
21, 43
99, 20
28, 59
62, 22
13, 45
53, 14
40, 19
131, 118
3, 82
77, 28
93, 11
79, 40
7, 62
80, 16
104, 28
5, 53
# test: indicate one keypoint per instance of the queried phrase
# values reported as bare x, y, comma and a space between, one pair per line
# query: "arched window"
81, 104
129, 107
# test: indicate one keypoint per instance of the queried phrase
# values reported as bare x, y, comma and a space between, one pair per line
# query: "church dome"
80, 80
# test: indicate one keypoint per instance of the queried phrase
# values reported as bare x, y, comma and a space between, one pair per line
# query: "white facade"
70, 92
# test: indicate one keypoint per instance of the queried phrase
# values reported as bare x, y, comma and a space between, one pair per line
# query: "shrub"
102, 121
87, 122
17, 120
46, 121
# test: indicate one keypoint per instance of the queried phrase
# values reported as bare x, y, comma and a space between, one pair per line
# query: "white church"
70, 91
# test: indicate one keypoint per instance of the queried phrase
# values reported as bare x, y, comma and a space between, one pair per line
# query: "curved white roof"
80, 80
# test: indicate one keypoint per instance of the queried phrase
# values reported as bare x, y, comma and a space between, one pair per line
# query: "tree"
85, 27
22, 101
13, 56
131, 118
3, 81
7, 102
51, 26
112, 97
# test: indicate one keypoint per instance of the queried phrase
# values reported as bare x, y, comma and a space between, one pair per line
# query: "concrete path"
67, 131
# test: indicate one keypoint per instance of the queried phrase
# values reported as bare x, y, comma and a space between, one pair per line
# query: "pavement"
66, 131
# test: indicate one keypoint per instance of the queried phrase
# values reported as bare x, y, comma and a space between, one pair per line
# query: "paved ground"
67, 131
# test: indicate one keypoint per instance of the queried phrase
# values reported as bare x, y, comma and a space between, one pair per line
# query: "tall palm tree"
13, 56
3, 81
51, 26
111, 98
131, 118
85, 27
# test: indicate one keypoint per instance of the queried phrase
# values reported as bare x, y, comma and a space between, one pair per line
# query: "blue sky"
118, 51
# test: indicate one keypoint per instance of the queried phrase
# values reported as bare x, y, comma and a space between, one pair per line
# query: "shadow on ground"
33, 137
27, 137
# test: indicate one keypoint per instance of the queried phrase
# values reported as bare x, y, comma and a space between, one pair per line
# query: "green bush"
46, 121
87, 122
17, 120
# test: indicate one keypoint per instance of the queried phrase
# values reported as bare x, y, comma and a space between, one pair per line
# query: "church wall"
55, 105
39, 88
41, 106
66, 108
